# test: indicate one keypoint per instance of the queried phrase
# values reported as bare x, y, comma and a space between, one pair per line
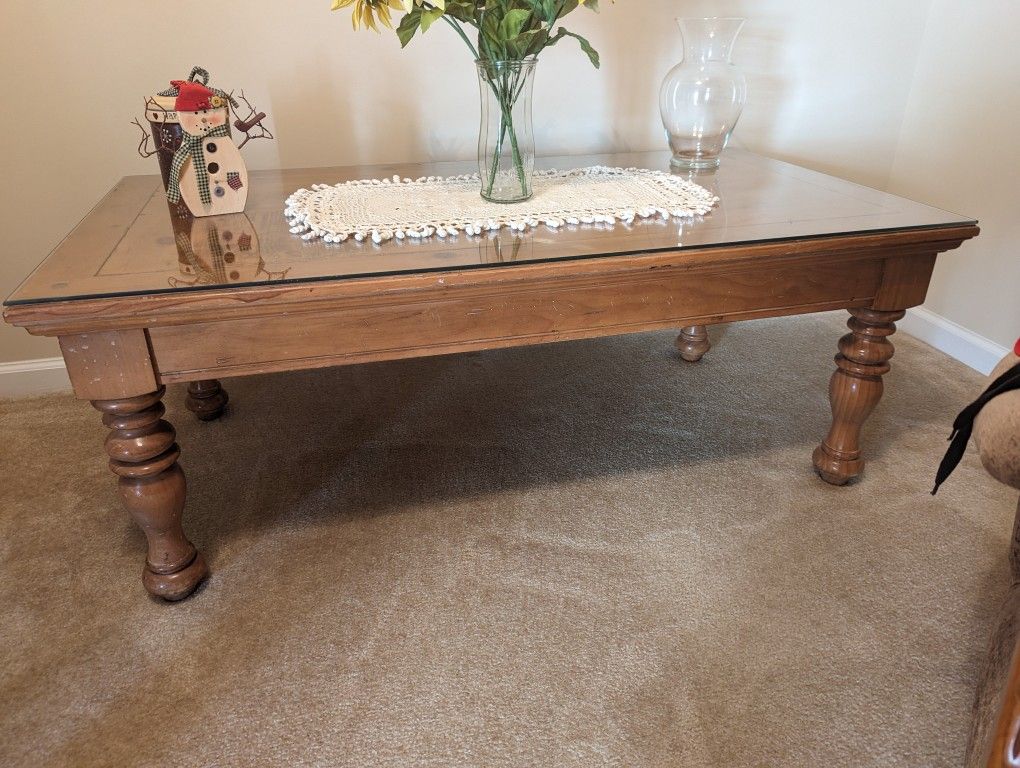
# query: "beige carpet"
586, 554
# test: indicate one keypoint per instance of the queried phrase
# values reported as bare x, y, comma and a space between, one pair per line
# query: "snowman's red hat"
193, 97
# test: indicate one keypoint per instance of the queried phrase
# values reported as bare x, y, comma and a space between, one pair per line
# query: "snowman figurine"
207, 171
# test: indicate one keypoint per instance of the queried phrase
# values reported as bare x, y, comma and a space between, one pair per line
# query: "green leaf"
544, 10
461, 10
489, 41
532, 42
593, 55
427, 17
408, 26
512, 24
568, 7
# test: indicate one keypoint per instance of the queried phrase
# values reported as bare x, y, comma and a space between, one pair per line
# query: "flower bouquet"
508, 36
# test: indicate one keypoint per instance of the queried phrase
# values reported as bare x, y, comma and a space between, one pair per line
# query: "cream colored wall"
829, 85
959, 150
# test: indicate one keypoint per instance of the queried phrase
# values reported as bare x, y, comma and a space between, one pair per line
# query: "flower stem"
457, 28
494, 165
506, 94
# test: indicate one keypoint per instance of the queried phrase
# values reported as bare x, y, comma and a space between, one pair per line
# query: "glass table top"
129, 244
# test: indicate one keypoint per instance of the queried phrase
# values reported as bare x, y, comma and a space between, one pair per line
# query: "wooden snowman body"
225, 172
202, 169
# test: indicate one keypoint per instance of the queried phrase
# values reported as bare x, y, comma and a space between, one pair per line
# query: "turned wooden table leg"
143, 455
206, 399
854, 391
693, 343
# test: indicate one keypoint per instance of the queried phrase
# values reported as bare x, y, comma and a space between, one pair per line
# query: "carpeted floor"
587, 554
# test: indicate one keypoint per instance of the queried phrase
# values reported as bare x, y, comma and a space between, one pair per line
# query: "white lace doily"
442, 206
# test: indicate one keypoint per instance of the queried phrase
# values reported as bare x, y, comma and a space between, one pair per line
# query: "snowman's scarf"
192, 146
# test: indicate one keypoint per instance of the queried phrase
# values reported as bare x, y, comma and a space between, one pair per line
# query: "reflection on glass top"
130, 243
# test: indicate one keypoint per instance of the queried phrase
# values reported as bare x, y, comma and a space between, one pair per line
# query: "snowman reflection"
207, 171
220, 251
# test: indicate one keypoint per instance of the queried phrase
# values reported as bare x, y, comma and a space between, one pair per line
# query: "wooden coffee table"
139, 298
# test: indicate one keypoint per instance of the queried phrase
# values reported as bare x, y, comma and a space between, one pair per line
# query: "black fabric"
963, 426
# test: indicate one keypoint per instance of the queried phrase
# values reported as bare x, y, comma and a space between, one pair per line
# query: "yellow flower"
365, 11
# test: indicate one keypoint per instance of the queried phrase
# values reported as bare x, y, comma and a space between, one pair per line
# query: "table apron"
434, 324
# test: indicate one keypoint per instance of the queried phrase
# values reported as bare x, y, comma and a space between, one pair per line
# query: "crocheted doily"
443, 206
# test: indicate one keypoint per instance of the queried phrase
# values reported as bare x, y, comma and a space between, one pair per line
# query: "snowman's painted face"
201, 122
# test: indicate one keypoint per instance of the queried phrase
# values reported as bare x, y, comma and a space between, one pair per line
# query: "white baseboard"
968, 347
23, 378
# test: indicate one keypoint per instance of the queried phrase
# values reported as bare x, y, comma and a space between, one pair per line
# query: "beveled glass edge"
8, 302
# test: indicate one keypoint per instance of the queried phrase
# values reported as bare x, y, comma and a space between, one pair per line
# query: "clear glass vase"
702, 97
506, 139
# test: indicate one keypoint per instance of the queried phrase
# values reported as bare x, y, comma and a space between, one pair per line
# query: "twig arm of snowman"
143, 144
251, 122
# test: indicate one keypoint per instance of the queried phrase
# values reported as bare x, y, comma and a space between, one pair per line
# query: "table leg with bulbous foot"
854, 391
693, 343
206, 399
143, 454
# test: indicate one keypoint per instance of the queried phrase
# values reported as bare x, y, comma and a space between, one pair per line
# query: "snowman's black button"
214, 167
210, 147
